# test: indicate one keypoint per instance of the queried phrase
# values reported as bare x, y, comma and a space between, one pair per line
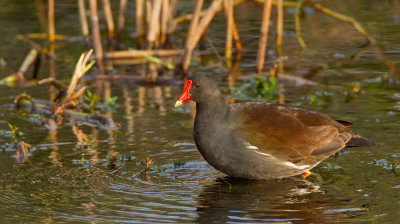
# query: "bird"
261, 140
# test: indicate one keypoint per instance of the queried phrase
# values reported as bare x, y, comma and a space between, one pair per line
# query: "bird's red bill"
185, 96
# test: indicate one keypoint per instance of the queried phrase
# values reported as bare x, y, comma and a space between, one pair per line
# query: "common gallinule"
258, 140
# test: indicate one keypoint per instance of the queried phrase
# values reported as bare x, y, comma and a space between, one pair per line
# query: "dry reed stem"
98, 49
342, 17
142, 53
41, 14
275, 2
109, 20
57, 37
149, 6
264, 35
173, 6
189, 16
154, 25
190, 36
30, 58
228, 5
139, 21
83, 20
279, 24
121, 16
205, 21
164, 20
297, 22
235, 33
198, 32
51, 20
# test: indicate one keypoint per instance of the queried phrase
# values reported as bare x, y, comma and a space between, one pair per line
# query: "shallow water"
68, 177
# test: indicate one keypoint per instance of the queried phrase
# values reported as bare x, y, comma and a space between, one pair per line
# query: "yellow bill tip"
178, 103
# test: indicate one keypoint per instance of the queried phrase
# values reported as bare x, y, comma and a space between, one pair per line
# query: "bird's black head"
200, 88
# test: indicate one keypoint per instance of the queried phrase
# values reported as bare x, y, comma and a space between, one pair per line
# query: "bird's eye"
197, 85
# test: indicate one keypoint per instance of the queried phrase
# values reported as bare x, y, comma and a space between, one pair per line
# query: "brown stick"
228, 5
96, 34
121, 16
153, 32
190, 36
279, 25
141, 53
51, 20
139, 22
109, 21
164, 20
264, 35
84, 23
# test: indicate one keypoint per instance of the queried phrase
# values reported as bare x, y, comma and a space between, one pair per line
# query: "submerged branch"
45, 107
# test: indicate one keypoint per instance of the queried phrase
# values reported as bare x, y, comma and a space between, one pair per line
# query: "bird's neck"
213, 107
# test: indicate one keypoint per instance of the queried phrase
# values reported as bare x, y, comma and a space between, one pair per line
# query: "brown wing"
288, 133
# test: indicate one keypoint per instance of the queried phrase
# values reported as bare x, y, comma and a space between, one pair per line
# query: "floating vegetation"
257, 87
353, 91
91, 98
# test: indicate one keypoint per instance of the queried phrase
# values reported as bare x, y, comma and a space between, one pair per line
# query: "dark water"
68, 177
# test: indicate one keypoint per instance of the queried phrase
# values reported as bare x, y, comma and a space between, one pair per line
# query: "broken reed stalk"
19, 76
297, 22
279, 24
83, 20
80, 69
139, 22
51, 21
228, 5
109, 22
164, 20
264, 35
342, 17
98, 49
121, 17
154, 25
30, 58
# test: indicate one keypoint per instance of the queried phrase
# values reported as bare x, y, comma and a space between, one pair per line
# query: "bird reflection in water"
290, 200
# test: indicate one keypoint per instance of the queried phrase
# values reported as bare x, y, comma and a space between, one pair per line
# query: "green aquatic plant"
109, 105
394, 166
14, 133
91, 98
258, 87
353, 91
